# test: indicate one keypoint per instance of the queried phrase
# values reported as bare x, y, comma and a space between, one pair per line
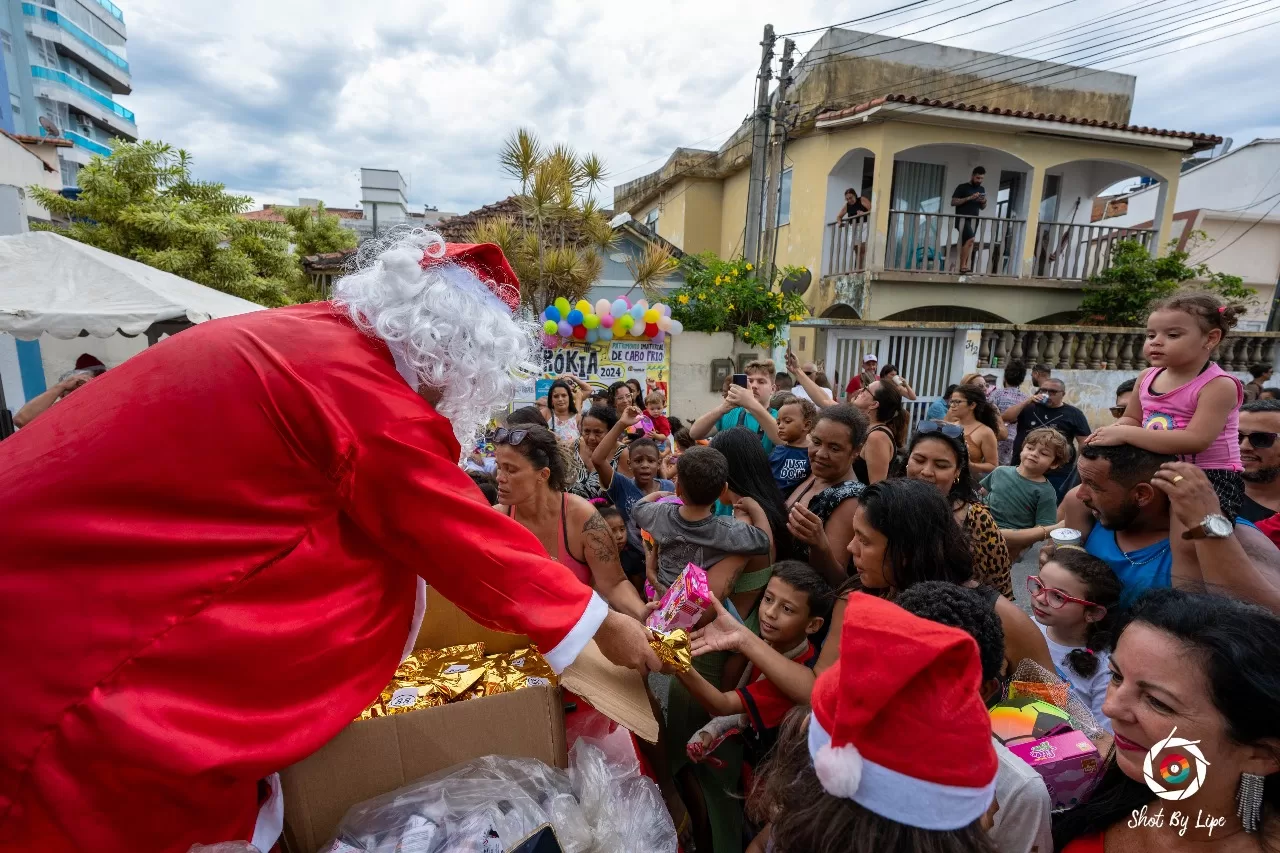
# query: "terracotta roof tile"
1028, 114
55, 141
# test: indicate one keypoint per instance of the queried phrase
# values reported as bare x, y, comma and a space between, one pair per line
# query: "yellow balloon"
651, 316
584, 306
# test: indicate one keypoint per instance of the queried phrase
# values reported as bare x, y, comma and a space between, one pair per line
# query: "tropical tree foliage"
317, 232
727, 296
142, 203
557, 242
1122, 294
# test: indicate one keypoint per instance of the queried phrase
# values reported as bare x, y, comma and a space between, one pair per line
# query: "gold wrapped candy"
672, 648
429, 678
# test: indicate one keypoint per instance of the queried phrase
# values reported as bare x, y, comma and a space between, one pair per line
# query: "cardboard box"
1068, 763
372, 757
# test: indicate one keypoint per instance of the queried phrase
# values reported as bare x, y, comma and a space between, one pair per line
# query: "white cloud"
290, 98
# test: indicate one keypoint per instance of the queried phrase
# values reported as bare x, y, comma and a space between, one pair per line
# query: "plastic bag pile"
490, 804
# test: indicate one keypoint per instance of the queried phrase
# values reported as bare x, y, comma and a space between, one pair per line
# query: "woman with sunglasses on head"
532, 483
937, 455
967, 407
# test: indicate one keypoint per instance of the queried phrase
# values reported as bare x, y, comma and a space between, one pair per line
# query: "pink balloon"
606, 321
549, 341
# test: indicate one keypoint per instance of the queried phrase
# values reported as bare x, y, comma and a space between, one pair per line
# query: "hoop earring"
1249, 801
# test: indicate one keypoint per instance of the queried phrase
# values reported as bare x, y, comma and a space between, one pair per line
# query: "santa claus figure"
212, 553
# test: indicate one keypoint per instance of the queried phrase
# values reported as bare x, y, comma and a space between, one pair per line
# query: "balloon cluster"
607, 320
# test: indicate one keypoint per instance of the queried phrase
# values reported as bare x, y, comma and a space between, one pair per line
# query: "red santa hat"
898, 725
485, 261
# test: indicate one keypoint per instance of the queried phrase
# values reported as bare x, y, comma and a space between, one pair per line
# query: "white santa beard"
445, 324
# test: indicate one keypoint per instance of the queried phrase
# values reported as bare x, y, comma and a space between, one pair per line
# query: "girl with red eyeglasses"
1075, 602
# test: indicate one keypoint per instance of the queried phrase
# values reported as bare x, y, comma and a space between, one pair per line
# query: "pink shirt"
1173, 410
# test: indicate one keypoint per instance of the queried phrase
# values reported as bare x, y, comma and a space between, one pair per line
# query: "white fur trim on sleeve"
894, 795
568, 649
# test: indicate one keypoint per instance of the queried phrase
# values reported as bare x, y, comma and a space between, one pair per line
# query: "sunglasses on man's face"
1259, 440
1117, 411
951, 430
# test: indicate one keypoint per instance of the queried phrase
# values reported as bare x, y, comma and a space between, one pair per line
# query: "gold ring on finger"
1178, 479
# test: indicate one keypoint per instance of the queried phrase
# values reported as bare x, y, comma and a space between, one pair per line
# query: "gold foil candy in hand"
672, 648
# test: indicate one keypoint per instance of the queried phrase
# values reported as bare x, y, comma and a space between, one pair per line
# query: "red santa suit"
210, 560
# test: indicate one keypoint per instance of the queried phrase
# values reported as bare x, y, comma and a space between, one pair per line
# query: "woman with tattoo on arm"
532, 478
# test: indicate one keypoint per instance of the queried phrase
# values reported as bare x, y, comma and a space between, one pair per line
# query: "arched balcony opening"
1075, 235
981, 236
848, 230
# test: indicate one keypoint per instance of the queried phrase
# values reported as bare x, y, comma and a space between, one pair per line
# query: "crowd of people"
809, 513
863, 611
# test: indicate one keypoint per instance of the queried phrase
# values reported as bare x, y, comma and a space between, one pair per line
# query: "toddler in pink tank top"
1186, 405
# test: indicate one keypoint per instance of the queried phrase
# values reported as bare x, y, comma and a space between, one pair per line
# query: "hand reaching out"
630, 416
722, 634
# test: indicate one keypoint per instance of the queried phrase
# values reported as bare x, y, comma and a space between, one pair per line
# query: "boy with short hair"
691, 532
745, 407
795, 605
790, 459
1022, 500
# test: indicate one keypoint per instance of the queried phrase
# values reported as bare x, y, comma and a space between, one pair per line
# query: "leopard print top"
991, 561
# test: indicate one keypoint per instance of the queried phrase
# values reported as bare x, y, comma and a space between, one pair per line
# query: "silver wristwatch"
1213, 527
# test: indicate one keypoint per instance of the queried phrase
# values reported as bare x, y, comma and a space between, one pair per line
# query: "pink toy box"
684, 602
1068, 763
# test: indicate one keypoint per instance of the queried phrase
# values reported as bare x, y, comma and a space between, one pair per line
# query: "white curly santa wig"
451, 323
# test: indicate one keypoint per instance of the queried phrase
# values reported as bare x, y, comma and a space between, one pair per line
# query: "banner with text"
601, 365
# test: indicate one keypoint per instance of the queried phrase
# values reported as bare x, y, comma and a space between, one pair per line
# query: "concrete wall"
691, 356
733, 213
834, 73
21, 168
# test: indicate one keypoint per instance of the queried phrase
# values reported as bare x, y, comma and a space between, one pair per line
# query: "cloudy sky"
289, 98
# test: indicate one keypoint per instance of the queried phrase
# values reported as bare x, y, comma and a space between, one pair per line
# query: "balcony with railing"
60, 86
1103, 348
949, 244
72, 40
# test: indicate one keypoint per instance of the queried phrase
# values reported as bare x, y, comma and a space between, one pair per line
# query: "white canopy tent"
50, 284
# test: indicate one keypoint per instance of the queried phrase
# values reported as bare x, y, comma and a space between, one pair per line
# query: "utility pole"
759, 142
777, 143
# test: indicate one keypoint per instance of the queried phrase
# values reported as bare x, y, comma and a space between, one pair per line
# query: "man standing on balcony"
969, 200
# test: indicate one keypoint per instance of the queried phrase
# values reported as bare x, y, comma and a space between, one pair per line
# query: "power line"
1242, 233
1029, 61
892, 11
825, 56
1089, 72
987, 60
1128, 45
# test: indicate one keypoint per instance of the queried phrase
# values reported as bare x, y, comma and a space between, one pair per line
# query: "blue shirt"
624, 493
1141, 570
790, 466
740, 417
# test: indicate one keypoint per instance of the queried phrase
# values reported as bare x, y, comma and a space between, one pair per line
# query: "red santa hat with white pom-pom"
483, 260
898, 724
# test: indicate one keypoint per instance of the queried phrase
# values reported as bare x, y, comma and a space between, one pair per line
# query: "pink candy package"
684, 602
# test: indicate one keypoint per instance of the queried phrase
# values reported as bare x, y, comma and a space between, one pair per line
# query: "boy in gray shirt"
691, 532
